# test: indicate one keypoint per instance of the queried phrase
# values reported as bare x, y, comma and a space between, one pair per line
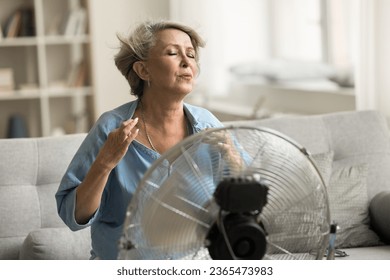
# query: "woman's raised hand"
231, 155
117, 144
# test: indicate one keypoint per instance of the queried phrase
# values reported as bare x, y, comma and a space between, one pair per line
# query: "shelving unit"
51, 68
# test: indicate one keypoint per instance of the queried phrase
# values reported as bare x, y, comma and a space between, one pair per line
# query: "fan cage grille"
173, 208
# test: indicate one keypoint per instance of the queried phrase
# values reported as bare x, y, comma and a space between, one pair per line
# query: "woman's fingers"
127, 129
132, 135
122, 136
218, 138
118, 142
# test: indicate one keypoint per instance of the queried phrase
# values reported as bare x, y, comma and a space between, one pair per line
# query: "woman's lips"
186, 76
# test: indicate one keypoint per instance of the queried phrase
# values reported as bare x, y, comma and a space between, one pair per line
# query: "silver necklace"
146, 130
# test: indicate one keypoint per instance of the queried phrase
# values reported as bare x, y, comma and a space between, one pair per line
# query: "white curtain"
234, 32
373, 66
232, 37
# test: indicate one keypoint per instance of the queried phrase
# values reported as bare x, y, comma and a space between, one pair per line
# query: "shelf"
49, 40
20, 94
48, 72
50, 92
58, 40
17, 42
69, 92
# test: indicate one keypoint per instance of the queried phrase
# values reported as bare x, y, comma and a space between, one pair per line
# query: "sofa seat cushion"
379, 213
56, 244
367, 253
10, 247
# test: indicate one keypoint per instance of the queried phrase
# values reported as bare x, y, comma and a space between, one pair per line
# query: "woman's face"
171, 64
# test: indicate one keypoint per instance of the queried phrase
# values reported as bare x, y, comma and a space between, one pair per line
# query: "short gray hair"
137, 45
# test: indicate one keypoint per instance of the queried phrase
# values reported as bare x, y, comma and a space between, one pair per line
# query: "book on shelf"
6, 80
28, 87
81, 76
77, 75
27, 28
75, 23
13, 25
20, 23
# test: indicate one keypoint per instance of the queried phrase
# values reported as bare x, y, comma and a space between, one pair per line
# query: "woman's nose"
185, 62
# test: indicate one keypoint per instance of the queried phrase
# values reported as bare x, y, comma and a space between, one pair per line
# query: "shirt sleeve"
75, 174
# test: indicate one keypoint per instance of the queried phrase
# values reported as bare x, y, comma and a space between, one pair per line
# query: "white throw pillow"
348, 202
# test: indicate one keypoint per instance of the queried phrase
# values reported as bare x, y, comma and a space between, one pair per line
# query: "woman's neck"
162, 124
162, 112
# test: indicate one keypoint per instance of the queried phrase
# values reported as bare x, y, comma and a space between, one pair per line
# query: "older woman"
160, 62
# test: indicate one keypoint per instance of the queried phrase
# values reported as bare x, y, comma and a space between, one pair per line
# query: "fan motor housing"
246, 238
242, 199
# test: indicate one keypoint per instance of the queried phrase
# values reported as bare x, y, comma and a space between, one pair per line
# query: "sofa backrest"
355, 137
30, 172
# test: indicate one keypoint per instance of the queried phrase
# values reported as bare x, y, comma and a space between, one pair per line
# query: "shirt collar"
187, 109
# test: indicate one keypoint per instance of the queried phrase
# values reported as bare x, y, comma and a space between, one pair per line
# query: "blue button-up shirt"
107, 222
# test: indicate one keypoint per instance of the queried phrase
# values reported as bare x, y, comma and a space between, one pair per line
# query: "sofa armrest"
379, 215
56, 244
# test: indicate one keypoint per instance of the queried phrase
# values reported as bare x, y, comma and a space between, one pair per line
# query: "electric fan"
229, 193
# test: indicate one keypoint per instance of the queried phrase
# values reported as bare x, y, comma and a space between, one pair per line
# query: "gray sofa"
30, 172
357, 149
